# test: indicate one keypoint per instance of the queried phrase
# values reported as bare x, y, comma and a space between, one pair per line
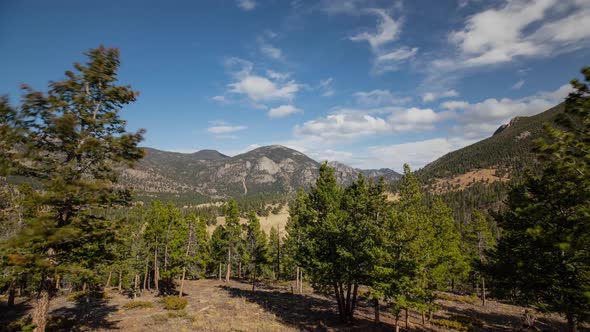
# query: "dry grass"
216, 306
463, 181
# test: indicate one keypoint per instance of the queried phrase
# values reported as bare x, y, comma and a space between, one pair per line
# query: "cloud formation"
283, 111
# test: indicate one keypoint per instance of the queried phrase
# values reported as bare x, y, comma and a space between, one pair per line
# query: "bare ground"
216, 306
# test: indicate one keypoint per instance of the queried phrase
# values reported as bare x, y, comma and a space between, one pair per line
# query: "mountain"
479, 176
272, 169
509, 149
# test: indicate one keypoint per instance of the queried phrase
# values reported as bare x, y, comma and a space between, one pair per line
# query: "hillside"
479, 176
509, 149
208, 174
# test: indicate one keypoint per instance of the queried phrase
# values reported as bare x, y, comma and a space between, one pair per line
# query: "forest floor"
216, 306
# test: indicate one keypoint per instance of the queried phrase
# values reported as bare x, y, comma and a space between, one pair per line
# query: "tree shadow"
500, 322
10, 317
306, 313
88, 313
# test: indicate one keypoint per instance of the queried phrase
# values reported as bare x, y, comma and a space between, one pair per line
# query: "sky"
368, 83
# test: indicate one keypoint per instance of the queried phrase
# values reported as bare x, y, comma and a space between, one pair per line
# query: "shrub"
174, 303
138, 305
451, 324
459, 298
473, 321
160, 318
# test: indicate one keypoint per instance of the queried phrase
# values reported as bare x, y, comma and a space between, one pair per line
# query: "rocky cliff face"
268, 169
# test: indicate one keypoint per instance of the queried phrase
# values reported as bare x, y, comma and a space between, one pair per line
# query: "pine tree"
542, 257
233, 235
70, 139
256, 246
479, 239
274, 245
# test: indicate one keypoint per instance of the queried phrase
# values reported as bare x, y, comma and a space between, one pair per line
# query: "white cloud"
220, 99
387, 58
246, 5
259, 88
225, 129
454, 105
432, 96
378, 98
326, 88
388, 30
481, 119
283, 111
416, 154
518, 85
349, 7
271, 51
520, 28
350, 124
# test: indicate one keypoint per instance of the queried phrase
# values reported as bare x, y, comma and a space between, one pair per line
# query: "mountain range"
272, 169
275, 169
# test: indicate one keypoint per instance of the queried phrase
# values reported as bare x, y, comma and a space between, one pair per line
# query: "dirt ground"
216, 306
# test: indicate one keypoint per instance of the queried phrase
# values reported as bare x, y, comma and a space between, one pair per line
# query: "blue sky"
368, 83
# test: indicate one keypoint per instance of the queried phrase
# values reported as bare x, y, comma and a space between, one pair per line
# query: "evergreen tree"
274, 245
233, 235
70, 139
542, 257
256, 246
479, 239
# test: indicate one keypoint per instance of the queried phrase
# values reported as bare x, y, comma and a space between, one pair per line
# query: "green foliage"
174, 303
542, 257
256, 245
138, 305
71, 140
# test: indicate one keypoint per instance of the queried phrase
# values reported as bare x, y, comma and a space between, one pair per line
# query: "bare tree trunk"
11, 293
57, 280
84, 285
483, 291
135, 285
297, 281
376, 305
423, 318
407, 319
228, 272
220, 265
156, 286
572, 323
254, 278
41, 308
108, 284
301, 281
120, 281
145, 276
182, 281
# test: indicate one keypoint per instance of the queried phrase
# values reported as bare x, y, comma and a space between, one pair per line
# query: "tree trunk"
182, 281
40, 309
376, 305
11, 294
423, 318
84, 285
227, 273
145, 276
297, 281
120, 281
354, 297
156, 266
572, 323
254, 278
483, 291
135, 285
339, 300
220, 265
57, 279
108, 284
301, 281
278, 276
407, 319
240, 269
